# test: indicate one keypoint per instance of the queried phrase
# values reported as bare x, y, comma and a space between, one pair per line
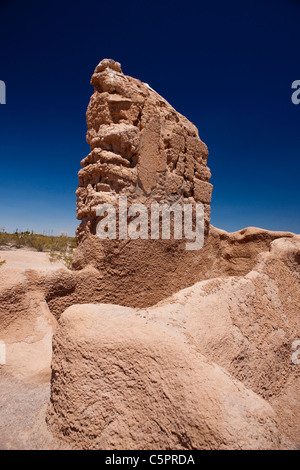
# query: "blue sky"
227, 66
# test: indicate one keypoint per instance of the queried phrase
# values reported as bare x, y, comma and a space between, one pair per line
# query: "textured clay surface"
205, 369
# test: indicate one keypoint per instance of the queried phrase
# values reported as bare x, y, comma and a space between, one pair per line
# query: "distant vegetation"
59, 248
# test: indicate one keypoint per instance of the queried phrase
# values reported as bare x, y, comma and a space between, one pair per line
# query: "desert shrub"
2, 262
4, 238
66, 256
60, 248
37, 242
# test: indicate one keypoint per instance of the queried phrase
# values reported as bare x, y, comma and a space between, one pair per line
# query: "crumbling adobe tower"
142, 148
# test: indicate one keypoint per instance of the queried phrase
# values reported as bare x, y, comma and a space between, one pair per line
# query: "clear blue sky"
227, 66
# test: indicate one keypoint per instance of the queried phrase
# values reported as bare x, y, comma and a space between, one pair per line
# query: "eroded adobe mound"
208, 368
123, 382
32, 301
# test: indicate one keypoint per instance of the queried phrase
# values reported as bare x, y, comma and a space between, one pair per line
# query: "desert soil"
22, 404
22, 258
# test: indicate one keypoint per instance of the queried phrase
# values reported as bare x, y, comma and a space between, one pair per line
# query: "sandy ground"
23, 404
22, 259
22, 416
